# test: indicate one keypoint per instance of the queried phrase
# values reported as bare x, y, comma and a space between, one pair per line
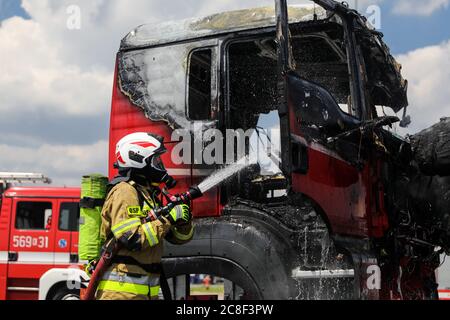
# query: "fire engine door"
66, 227
31, 251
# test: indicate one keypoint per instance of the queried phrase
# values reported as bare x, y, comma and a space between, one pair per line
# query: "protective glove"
180, 215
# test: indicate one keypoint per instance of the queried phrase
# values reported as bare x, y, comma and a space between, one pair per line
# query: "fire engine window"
68, 216
33, 215
199, 96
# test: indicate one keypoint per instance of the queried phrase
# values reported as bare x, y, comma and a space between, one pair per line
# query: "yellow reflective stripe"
123, 287
133, 288
125, 226
182, 236
154, 291
146, 209
150, 234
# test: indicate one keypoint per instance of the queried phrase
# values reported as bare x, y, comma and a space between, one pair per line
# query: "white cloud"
65, 164
428, 73
52, 68
36, 77
419, 7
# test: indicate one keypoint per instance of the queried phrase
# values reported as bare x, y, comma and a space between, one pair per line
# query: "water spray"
227, 172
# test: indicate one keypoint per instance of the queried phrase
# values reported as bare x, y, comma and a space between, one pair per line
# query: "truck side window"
199, 95
33, 215
69, 214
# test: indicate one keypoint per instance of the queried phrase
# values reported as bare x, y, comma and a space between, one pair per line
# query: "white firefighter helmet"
137, 150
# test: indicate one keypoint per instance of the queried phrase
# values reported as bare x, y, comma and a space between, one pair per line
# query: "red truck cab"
338, 204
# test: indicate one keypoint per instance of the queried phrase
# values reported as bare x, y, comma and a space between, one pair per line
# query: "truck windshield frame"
268, 36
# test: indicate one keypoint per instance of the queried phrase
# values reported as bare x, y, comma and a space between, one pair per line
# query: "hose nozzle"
194, 192
169, 181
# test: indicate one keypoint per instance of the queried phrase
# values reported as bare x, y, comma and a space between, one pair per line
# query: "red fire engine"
38, 239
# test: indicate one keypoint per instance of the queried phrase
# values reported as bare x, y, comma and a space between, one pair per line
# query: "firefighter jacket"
142, 242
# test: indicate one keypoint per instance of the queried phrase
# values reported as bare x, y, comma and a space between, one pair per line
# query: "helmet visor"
156, 163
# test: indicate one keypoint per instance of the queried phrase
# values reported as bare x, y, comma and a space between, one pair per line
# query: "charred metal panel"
425, 208
431, 148
417, 200
430, 204
155, 80
216, 24
385, 83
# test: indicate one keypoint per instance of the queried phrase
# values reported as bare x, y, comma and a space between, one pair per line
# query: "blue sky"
402, 33
10, 8
405, 33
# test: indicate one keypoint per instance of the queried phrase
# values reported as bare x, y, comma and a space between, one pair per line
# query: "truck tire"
240, 247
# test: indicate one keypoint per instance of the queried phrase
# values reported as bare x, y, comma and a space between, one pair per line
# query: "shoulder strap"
143, 194
91, 203
116, 181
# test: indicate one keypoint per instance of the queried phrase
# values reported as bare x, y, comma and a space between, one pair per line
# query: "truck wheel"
66, 294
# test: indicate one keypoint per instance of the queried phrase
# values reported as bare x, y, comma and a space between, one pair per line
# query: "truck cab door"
31, 251
66, 237
330, 171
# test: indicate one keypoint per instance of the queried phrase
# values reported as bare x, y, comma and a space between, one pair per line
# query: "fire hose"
112, 247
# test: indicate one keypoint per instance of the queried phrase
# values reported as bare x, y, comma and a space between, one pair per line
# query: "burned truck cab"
299, 87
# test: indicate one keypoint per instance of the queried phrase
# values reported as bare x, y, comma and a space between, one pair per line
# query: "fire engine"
38, 240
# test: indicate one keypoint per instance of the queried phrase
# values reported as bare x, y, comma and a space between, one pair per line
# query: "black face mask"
156, 172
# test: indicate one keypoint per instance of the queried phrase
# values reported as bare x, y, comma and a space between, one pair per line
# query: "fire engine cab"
38, 240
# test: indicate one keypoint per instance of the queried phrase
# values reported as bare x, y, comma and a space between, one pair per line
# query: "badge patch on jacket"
135, 211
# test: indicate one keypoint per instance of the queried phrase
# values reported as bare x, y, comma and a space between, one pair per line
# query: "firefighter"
134, 273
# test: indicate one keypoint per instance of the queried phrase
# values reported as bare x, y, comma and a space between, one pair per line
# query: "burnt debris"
431, 148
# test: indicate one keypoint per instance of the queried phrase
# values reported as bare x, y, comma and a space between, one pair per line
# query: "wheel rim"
70, 296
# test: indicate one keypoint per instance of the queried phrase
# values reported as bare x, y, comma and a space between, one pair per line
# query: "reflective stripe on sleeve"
150, 234
182, 236
125, 226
